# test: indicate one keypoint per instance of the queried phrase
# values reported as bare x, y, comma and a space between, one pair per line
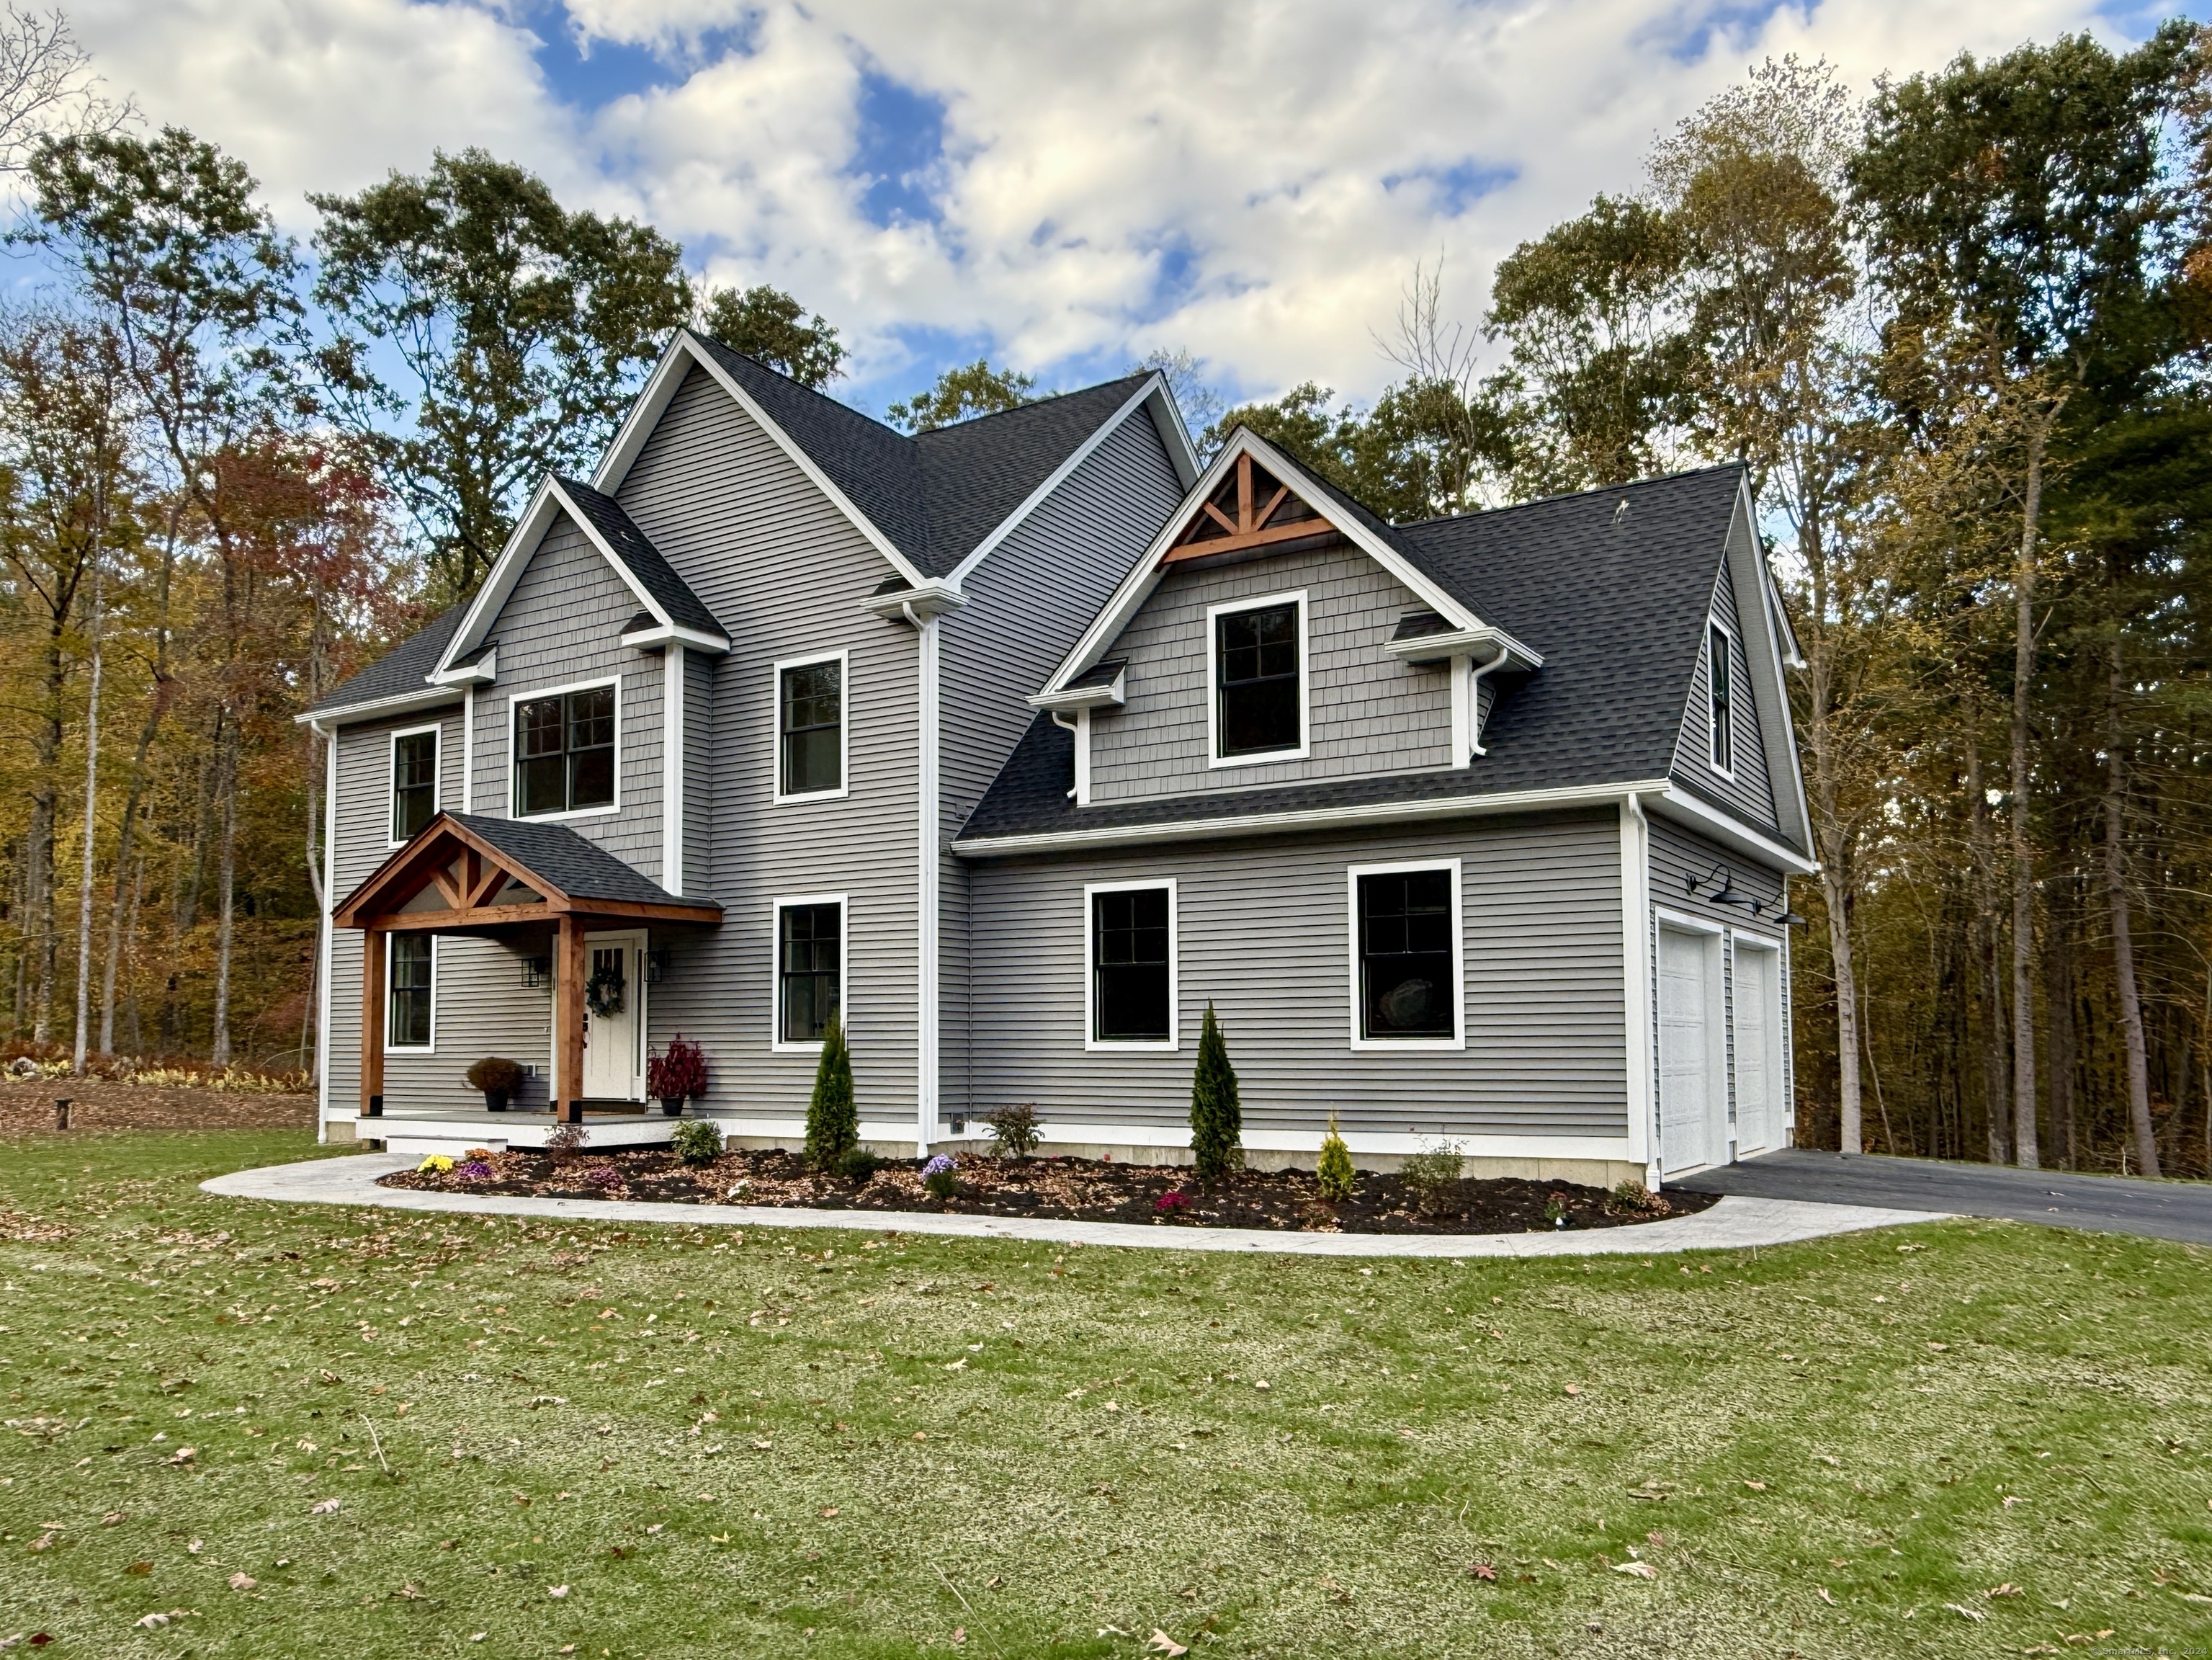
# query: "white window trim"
390, 1048
843, 660
1713, 625
1261, 602
437, 730
1091, 1040
1388, 1045
775, 910
513, 757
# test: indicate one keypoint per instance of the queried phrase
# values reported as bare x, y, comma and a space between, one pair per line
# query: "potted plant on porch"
678, 1076
498, 1078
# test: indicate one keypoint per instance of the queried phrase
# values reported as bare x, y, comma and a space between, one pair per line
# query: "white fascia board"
1777, 734
405, 703
1430, 647
1136, 586
482, 672
1175, 432
1058, 477
672, 634
683, 351
1112, 695
924, 601
1686, 809
1308, 818
499, 583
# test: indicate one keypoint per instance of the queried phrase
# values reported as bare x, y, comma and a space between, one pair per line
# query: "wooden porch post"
372, 1023
568, 1019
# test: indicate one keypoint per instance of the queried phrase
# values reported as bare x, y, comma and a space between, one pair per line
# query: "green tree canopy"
963, 393
523, 328
767, 325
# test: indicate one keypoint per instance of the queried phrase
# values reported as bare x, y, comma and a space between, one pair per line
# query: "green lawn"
843, 1446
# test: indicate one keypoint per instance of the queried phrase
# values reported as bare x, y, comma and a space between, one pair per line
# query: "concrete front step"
419, 1138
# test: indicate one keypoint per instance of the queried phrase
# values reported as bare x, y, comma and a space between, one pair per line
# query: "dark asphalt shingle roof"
654, 572
1614, 604
580, 868
401, 671
937, 495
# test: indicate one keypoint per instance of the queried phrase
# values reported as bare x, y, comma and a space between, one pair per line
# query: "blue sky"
1061, 188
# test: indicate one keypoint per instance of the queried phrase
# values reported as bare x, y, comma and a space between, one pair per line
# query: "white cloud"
1084, 146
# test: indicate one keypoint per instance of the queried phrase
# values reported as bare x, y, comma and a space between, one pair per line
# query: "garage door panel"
1687, 1074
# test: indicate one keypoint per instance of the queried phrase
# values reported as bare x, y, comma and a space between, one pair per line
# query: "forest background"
1957, 329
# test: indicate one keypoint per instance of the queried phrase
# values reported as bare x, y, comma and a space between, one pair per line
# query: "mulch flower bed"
1085, 1190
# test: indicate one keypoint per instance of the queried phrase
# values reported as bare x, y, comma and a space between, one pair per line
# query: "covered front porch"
547, 893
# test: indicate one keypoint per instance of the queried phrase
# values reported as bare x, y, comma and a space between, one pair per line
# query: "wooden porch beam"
497, 916
568, 1021
372, 1026
1296, 530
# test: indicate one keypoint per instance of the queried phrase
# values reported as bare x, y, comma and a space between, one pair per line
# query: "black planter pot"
495, 1100
673, 1105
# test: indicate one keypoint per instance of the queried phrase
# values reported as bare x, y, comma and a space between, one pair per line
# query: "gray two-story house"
1015, 746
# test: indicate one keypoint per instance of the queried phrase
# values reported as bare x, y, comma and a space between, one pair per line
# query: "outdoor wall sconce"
537, 971
656, 966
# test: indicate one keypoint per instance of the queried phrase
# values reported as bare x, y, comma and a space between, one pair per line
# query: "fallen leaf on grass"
1974, 1614
1163, 1644
139, 1569
829, 1510
323, 1507
1756, 1486
2007, 1588
556, 1592
182, 1455
243, 1582
1574, 1389
1825, 1597
1482, 1570
1642, 1570
2192, 1596
2013, 1498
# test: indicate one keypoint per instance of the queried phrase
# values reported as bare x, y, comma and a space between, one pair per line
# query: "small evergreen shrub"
495, 1075
697, 1141
941, 1176
1015, 1131
833, 1121
1217, 1119
1431, 1176
858, 1166
1632, 1198
1335, 1174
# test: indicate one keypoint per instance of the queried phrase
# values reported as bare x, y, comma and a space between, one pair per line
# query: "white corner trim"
469, 750
437, 731
1637, 964
1091, 1040
672, 731
1083, 757
514, 758
1053, 480
1360, 1041
775, 909
1214, 758
930, 916
776, 796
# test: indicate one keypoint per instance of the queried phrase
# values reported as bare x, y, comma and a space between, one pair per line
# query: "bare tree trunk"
2124, 953
2023, 862
1995, 1085
2058, 998
156, 706
91, 823
226, 886
130, 1007
1832, 837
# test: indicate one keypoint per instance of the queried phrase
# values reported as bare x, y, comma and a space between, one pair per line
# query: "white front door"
1690, 1104
1758, 1047
614, 1042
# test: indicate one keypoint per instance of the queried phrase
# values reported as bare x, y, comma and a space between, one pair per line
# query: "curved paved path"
2105, 1204
1733, 1224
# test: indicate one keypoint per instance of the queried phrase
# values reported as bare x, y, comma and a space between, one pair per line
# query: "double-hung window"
1719, 677
564, 751
414, 782
1406, 955
1132, 964
411, 972
1259, 679
809, 728
810, 968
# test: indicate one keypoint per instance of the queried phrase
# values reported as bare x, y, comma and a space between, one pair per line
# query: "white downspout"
671, 767
469, 748
1475, 700
930, 915
1636, 945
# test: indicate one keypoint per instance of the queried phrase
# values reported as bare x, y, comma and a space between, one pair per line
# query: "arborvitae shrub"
1216, 1121
1334, 1172
833, 1122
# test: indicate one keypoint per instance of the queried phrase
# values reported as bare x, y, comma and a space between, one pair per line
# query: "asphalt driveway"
2105, 1204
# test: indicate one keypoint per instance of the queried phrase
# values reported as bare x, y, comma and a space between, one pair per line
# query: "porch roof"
503, 873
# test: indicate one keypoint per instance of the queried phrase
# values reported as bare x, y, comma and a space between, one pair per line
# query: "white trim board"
1362, 1043
437, 731
1091, 1041
1295, 598
842, 659
776, 908
1714, 624
673, 731
513, 757
391, 1049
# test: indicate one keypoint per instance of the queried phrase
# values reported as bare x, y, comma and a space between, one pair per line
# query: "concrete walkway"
2103, 1204
1734, 1223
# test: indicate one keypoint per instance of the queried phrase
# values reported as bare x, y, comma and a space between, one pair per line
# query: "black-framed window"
809, 970
564, 749
1131, 995
411, 970
1256, 668
810, 722
1406, 978
1718, 675
414, 782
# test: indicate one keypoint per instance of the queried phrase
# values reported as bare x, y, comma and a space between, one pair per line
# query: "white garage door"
1758, 1048
1687, 1077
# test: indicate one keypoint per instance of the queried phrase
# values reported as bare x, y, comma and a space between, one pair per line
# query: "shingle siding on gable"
1265, 934
1368, 712
1748, 791
786, 574
1027, 602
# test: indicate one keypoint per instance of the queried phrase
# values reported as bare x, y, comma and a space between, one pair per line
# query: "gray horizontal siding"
1028, 602
788, 574
1264, 933
1679, 855
1749, 791
1368, 711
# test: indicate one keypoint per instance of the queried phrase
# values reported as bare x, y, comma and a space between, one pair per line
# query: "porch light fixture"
656, 966
1722, 880
537, 971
